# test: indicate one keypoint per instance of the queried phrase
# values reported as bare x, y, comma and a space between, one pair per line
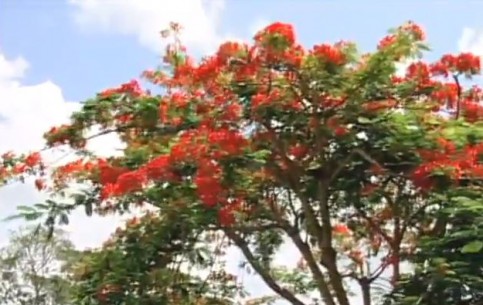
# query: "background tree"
271, 143
448, 264
148, 262
33, 268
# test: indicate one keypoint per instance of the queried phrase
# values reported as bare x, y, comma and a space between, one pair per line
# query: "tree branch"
313, 266
247, 229
329, 256
458, 101
264, 274
306, 252
341, 166
292, 182
379, 270
375, 227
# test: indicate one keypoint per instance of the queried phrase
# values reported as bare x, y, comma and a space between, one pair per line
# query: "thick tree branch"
323, 233
313, 266
247, 229
292, 176
307, 254
329, 256
264, 274
366, 291
341, 166
458, 101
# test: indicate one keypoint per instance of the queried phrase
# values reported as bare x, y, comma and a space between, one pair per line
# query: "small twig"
379, 270
368, 158
375, 227
341, 166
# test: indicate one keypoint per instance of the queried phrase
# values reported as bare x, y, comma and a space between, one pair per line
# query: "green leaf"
33, 216
14, 217
472, 247
364, 120
261, 155
64, 219
41, 206
25, 208
88, 208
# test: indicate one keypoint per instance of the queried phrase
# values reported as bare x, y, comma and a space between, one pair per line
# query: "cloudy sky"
55, 53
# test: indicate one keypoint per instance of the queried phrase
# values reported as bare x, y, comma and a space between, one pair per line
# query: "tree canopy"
35, 269
359, 168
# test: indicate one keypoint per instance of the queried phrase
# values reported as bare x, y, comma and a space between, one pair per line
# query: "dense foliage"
359, 168
148, 262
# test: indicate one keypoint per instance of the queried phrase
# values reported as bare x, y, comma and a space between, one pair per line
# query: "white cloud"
471, 40
12, 70
146, 18
26, 112
402, 66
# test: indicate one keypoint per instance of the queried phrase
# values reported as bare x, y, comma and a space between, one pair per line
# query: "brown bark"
366, 291
314, 268
329, 256
264, 274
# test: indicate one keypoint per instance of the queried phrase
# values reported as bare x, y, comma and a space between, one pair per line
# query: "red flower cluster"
466, 63
448, 94
455, 163
328, 53
133, 88
203, 147
12, 165
59, 135
410, 29
277, 29
208, 183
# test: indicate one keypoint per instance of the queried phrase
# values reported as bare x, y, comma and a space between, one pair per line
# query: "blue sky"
54, 53
84, 59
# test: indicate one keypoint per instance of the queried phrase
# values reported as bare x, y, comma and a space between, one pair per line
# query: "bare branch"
264, 274
379, 270
375, 227
458, 101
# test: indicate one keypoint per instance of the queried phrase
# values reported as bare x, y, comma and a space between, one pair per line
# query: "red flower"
227, 213
39, 184
133, 88
33, 159
158, 168
299, 151
130, 182
108, 173
284, 30
387, 42
341, 229
329, 54
207, 181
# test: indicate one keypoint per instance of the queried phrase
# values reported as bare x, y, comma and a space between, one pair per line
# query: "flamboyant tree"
270, 143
